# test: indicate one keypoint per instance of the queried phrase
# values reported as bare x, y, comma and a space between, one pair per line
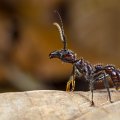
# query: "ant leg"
70, 82
106, 84
92, 102
91, 89
68, 86
73, 84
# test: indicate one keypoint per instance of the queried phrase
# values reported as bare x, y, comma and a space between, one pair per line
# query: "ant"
82, 68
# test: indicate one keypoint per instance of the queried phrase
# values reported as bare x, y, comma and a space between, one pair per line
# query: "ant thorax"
84, 68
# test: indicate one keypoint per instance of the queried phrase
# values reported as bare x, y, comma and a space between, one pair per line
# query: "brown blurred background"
27, 36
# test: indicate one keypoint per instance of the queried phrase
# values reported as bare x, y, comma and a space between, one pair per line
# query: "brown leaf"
59, 105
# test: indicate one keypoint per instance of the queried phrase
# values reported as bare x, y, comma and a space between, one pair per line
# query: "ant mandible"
82, 68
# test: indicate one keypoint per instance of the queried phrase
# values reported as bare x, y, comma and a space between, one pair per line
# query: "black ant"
82, 68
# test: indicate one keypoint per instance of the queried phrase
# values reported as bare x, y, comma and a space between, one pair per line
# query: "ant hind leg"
106, 84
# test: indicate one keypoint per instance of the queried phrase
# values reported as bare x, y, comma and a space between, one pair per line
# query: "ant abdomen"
114, 75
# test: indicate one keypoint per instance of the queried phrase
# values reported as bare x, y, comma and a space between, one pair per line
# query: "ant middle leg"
91, 89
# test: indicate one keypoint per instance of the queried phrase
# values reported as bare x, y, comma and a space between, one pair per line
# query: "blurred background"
27, 36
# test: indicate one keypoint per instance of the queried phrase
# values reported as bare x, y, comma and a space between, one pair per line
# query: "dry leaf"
59, 105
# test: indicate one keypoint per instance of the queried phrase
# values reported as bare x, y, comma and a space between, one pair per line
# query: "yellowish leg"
70, 82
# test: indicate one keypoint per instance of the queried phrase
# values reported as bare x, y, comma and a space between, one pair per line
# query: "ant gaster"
82, 68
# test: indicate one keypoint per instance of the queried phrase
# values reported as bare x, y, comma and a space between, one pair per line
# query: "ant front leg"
71, 81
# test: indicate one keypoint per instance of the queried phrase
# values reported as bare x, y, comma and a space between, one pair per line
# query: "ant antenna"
61, 30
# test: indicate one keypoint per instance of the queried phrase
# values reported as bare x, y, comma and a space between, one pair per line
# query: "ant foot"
92, 104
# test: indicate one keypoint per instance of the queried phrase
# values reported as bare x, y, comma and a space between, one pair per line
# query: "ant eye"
67, 55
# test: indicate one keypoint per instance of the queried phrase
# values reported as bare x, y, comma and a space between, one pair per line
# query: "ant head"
65, 55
